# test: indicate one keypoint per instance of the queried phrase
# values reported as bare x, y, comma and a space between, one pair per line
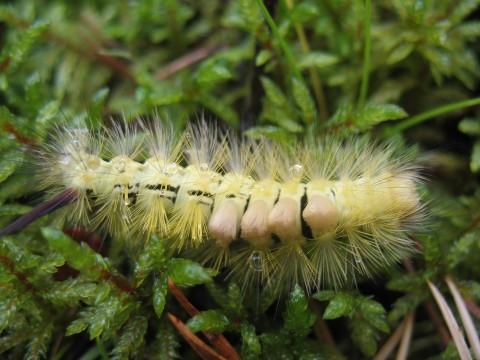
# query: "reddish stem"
202, 349
185, 61
10, 265
60, 200
321, 328
219, 342
9, 128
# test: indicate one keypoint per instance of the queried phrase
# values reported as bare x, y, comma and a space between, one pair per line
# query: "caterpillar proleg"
321, 213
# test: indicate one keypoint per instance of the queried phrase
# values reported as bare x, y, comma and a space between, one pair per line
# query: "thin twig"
320, 327
110, 61
406, 338
11, 129
119, 281
107, 60
437, 322
182, 299
60, 200
186, 60
219, 342
202, 349
408, 265
391, 343
452, 324
466, 318
9, 264
89, 22
475, 222
56, 343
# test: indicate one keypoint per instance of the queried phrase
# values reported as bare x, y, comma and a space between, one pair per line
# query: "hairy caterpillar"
319, 213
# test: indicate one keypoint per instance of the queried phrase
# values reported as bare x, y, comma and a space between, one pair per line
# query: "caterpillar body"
321, 213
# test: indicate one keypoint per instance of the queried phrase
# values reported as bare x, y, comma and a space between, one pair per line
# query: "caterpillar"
321, 213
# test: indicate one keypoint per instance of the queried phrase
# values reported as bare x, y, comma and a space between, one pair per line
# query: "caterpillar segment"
158, 188
116, 191
193, 206
323, 214
224, 224
200, 181
159, 182
233, 194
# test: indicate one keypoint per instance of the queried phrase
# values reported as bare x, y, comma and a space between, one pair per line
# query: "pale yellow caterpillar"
321, 213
